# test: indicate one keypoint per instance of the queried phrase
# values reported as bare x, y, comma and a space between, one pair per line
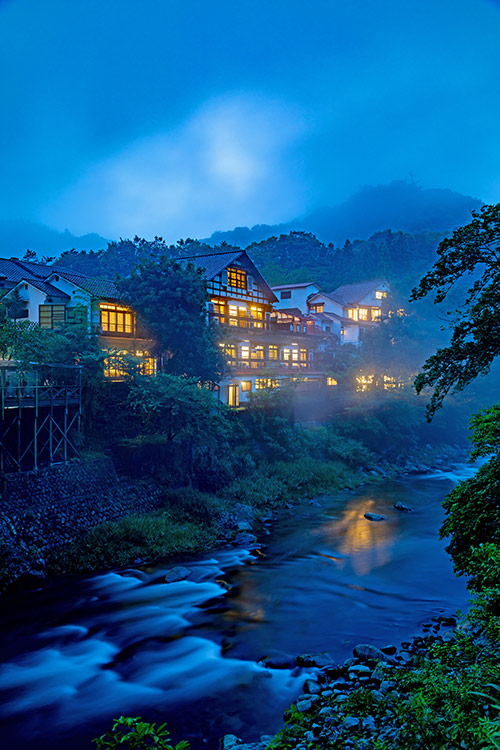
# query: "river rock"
374, 517
243, 526
390, 649
312, 687
322, 659
351, 723
244, 538
278, 661
367, 653
178, 573
402, 507
304, 706
359, 670
229, 741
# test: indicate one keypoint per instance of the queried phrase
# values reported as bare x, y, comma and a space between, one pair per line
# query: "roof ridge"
209, 255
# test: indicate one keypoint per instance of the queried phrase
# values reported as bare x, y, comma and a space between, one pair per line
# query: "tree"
473, 250
170, 298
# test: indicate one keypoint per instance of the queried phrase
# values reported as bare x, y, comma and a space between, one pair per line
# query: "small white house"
294, 295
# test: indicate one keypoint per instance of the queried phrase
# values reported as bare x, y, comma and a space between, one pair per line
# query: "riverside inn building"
268, 335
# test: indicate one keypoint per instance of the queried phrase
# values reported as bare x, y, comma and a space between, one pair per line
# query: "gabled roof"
352, 293
295, 286
46, 288
95, 286
15, 270
332, 295
214, 263
39, 270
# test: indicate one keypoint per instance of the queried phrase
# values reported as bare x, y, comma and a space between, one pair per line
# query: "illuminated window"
228, 350
114, 366
375, 313
148, 364
246, 385
258, 352
236, 278
115, 319
380, 295
295, 355
261, 383
257, 312
331, 381
273, 352
245, 351
363, 313
352, 313
318, 308
285, 353
303, 355
233, 396
242, 312
364, 382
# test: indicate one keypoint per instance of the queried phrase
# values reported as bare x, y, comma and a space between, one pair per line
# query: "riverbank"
127, 642
136, 522
435, 692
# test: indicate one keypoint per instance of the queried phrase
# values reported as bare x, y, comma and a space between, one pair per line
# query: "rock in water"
374, 517
367, 653
178, 573
404, 508
229, 741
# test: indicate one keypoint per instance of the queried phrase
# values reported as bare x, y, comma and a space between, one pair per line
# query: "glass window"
286, 294
363, 313
51, 316
379, 294
303, 355
236, 278
246, 385
285, 354
273, 352
245, 351
352, 313
233, 395
375, 313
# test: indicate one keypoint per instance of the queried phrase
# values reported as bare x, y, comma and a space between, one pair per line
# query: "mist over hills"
400, 206
17, 236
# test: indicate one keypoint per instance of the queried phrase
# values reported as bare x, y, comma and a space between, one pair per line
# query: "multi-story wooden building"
263, 347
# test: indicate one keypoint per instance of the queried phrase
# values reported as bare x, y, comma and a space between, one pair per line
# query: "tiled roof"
40, 270
352, 293
14, 270
92, 285
46, 288
295, 286
213, 263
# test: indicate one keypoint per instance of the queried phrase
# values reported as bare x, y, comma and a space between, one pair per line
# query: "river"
88, 649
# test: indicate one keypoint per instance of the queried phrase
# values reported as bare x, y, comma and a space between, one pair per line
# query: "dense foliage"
472, 250
170, 298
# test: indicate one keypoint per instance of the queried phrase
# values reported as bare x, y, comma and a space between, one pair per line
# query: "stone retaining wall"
55, 506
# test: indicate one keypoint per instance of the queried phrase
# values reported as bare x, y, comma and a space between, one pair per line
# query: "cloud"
229, 163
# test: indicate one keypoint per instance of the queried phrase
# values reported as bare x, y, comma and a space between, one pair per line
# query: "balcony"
276, 365
262, 326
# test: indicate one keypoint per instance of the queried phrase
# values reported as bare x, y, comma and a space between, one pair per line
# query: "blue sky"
179, 118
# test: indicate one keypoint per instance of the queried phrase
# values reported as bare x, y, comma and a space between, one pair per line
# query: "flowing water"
88, 649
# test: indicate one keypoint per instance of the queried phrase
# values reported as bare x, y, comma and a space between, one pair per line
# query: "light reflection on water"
124, 642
